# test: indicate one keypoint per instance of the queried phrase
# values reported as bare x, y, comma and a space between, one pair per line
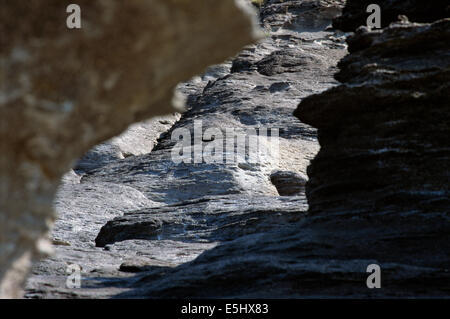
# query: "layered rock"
63, 91
382, 171
377, 190
384, 131
355, 12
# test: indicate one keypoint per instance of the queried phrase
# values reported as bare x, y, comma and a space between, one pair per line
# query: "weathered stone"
63, 91
378, 189
384, 131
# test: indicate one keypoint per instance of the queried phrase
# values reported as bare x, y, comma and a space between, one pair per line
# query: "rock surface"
63, 91
378, 189
385, 129
382, 171
159, 215
355, 12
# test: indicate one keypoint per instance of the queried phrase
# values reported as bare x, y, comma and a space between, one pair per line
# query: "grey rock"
289, 183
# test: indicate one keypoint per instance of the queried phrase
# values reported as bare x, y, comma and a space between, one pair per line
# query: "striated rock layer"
383, 168
63, 91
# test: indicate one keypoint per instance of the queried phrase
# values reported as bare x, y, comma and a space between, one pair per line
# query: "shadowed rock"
203, 206
378, 189
288, 183
384, 131
382, 171
355, 15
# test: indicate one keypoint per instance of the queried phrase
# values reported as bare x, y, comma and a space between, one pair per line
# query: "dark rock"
288, 183
240, 65
63, 91
279, 86
136, 265
199, 206
207, 219
385, 130
121, 229
355, 15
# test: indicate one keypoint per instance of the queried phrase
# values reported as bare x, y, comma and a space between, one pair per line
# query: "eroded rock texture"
63, 91
385, 131
355, 12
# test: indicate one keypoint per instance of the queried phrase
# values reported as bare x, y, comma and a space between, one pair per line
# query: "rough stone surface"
385, 129
355, 12
63, 91
160, 216
143, 226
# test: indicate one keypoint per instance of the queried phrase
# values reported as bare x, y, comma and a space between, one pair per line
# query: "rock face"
383, 167
63, 91
384, 131
355, 15
150, 215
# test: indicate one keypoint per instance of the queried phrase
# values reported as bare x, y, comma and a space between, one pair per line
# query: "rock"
355, 12
203, 208
380, 130
138, 139
222, 230
288, 183
140, 265
68, 90
209, 219
382, 171
121, 229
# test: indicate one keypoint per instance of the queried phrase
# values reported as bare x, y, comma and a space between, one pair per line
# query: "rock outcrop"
355, 12
63, 91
